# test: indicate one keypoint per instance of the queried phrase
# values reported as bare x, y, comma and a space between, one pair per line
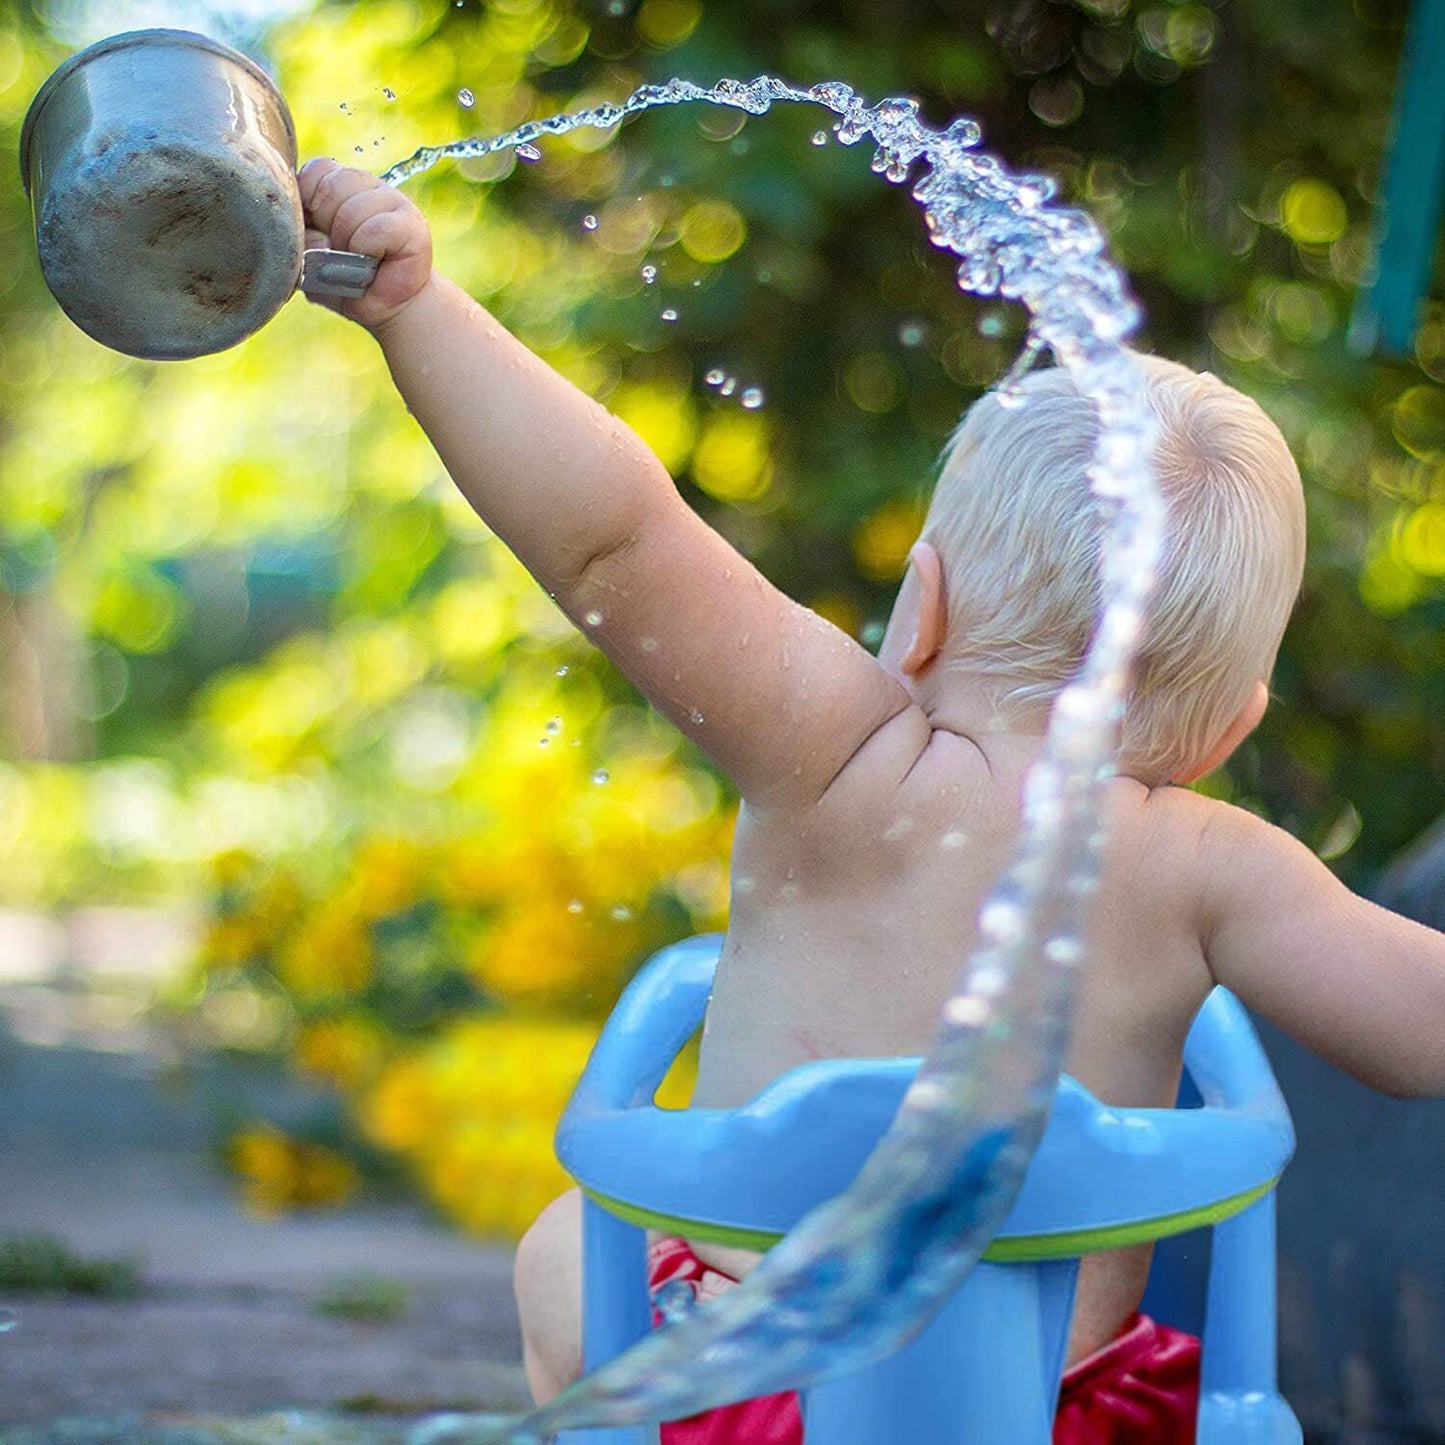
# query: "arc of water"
864, 1273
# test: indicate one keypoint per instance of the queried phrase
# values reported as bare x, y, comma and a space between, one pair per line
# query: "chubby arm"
1361, 986
778, 697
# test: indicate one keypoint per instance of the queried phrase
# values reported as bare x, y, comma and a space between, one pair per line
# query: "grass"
43, 1264
362, 1297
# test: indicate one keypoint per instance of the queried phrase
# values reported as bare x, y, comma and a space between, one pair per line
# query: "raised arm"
1361, 986
777, 696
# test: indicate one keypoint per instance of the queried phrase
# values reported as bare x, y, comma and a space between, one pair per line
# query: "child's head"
1016, 528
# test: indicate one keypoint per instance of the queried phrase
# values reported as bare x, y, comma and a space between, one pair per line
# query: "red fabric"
1142, 1388
768, 1420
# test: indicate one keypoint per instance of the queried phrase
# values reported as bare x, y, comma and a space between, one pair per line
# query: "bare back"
851, 920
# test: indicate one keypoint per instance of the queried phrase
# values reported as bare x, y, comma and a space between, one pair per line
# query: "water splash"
865, 1272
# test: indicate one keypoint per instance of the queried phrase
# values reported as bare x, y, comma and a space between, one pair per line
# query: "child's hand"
349, 210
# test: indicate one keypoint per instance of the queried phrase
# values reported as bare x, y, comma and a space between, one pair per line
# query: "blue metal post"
1407, 220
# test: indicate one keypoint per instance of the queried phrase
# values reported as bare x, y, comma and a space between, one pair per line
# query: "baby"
881, 796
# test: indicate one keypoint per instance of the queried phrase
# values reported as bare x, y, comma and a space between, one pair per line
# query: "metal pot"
161, 167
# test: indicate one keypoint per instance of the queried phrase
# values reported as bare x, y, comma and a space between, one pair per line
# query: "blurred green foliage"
254, 647
204, 563
42, 1264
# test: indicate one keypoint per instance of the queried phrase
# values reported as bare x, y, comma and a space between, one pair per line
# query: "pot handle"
337, 273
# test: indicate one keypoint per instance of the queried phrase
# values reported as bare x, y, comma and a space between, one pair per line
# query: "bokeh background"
300, 772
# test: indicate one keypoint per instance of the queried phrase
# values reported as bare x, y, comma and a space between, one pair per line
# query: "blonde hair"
1018, 533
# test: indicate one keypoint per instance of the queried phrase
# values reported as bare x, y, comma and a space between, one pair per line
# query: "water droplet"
911, 333
542, 742
465, 98
753, 398
575, 906
343, 105
589, 223
764, 277
601, 776
388, 92
991, 323
563, 670
675, 1300
872, 634
527, 152
697, 718
730, 385
716, 376
360, 150
554, 725
8, 1320
1065, 950
620, 912
820, 137
592, 617
616, 8
649, 275
669, 314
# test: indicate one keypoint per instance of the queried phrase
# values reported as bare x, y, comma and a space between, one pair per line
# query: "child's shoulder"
1199, 839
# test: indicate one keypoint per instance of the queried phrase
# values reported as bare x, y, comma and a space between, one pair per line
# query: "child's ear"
1245, 722
932, 619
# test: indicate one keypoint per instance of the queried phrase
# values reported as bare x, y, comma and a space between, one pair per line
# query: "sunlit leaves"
1312, 212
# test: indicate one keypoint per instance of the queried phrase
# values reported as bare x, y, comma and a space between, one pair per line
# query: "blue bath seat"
987, 1369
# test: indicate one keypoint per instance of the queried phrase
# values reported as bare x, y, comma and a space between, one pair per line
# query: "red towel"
1142, 1388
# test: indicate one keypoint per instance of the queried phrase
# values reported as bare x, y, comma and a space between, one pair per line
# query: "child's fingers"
390, 234
359, 208
310, 176
326, 187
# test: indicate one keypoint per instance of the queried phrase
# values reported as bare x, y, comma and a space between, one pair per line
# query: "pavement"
107, 1144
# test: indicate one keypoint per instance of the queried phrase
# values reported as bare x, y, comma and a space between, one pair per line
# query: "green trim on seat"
1018, 1249
1027, 1247
760, 1241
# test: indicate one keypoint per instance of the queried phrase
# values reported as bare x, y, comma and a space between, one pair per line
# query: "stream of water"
864, 1273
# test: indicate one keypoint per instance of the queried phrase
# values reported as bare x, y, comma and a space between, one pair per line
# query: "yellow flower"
279, 1172
402, 1111
475, 1112
230, 941
536, 952
232, 868
330, 954
386, 877
344, 1051
276, 904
